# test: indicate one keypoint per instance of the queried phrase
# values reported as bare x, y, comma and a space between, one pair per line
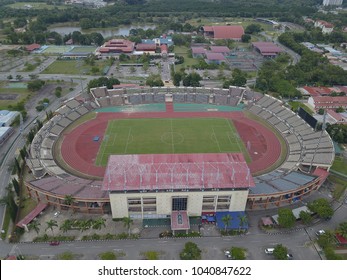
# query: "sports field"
165, 136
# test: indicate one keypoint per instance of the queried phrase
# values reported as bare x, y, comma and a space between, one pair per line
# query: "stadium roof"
168, 172
267, 48
226, 31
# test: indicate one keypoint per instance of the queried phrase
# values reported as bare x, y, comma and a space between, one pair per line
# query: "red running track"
79, 151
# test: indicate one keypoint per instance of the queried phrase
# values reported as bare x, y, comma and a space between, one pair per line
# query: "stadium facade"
152, 186
304, 168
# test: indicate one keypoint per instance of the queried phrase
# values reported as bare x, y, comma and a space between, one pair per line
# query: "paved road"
18, 139
300, 242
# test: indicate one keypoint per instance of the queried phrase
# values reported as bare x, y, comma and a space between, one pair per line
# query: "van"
269, 250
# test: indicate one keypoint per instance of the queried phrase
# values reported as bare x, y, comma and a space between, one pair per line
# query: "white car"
320, 232
56, 214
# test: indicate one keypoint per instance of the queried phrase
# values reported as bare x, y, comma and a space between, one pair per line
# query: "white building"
326, 27
332, 2
7, 117
5, 133
155, 186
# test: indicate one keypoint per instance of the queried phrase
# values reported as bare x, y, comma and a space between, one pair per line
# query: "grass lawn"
296, 104
11, 96
165, 136
6, 224
188, 61
340, 186
73, 67
340, 165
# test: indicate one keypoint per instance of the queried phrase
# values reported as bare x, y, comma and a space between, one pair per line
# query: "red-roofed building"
317, 91
117, 46
164, 50
217, 58
198, 52
220, 49
328, 102
326, 27
147, 48
336, 116
156, 185
267, 49
32, 47
232, 32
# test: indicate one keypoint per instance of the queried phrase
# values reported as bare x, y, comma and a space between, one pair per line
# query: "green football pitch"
167, 136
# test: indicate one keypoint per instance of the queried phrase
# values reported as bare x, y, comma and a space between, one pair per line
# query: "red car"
54, 243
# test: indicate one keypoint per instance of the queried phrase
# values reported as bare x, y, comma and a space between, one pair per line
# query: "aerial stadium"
176, 152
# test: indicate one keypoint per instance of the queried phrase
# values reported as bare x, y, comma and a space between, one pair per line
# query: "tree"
321, 111
177, 77
253, 28
322, 207
237, 253
69, 199
226, 219
99, 223
19, 77
280, 252
35, 85
243, 221
340, 110
192, 80
154, 81
145, 67
286, 218
51, 224
18, 168
127, 222
191, 251
16, 186
35, 225
326, 240
245, 38
67, 224
85, 224
342, 230
305, 217
23, 153
108, 256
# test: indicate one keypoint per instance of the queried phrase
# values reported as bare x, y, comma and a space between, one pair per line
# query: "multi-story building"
332, 2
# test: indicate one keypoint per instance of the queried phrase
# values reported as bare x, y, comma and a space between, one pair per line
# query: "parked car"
54, 243
320, 232
289, 256
228, 254
56, 214
269, 251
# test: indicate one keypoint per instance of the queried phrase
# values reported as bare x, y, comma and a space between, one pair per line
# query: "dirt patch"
8, 96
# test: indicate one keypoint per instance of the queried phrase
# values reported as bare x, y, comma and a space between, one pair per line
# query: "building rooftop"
198, 50
267, 48
226, 31
215, 56
220, 49
169, 172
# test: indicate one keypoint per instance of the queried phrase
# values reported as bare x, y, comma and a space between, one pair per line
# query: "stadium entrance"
179, 203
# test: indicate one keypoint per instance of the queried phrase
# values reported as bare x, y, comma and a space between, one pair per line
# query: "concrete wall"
119, 204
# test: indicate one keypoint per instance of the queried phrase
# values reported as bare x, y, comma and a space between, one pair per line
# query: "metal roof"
158, 172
